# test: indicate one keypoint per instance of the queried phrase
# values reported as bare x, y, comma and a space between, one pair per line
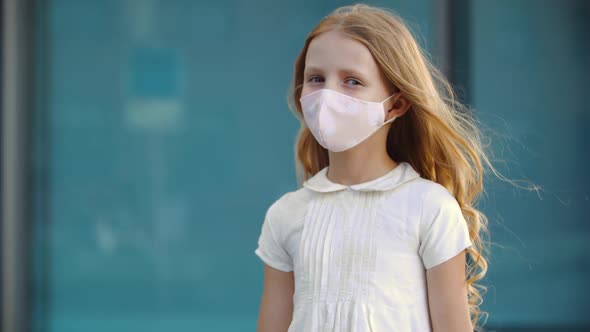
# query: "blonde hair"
437, 135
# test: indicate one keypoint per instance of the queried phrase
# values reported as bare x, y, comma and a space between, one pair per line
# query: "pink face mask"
338, 121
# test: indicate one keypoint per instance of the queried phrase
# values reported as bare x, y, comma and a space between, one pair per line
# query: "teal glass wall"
530, 69
162, 134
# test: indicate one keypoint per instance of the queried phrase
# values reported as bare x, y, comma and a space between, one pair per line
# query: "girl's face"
337, 62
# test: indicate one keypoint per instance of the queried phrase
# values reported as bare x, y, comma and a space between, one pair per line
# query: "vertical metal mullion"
443, 35
452, 39
17, 102
461, 52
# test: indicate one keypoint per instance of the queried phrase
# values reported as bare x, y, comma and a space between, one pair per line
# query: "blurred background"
143, 141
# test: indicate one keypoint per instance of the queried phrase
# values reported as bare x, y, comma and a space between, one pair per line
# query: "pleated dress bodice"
359, 253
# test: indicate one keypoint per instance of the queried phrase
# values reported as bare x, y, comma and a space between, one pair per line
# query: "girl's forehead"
334, 50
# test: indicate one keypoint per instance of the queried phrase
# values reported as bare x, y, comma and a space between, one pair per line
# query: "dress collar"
402, 173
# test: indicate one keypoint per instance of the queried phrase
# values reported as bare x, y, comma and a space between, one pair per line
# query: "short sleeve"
270, 248
444, 232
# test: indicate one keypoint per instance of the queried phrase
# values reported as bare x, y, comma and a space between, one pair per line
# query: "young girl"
383, 235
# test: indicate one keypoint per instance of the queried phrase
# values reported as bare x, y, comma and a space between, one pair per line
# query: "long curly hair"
438, 135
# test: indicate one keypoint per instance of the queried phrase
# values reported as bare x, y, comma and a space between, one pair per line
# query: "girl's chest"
354, 230
345, 241
354, 223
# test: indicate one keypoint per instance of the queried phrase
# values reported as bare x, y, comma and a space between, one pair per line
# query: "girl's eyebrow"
311, 69
352, 72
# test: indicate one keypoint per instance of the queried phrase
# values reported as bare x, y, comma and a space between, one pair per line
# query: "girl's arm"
276, 307
447, 296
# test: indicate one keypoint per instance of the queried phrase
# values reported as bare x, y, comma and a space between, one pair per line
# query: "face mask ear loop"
390, 120
388, 99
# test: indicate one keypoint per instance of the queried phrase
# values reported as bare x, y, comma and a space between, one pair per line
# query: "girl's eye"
352, 81
314, 79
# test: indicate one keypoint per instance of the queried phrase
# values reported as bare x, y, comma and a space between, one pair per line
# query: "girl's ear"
399, 105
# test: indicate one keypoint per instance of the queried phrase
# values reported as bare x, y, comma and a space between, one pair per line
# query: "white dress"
360, 253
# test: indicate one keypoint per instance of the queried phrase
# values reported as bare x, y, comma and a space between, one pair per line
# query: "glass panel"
530, 73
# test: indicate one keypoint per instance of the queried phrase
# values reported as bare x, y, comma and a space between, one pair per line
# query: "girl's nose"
332, 84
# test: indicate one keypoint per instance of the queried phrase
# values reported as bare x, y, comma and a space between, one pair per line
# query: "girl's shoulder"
428, 187
422, 195
289, 203
433, 198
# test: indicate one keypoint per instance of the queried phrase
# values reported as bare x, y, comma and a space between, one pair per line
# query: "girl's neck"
356, 166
